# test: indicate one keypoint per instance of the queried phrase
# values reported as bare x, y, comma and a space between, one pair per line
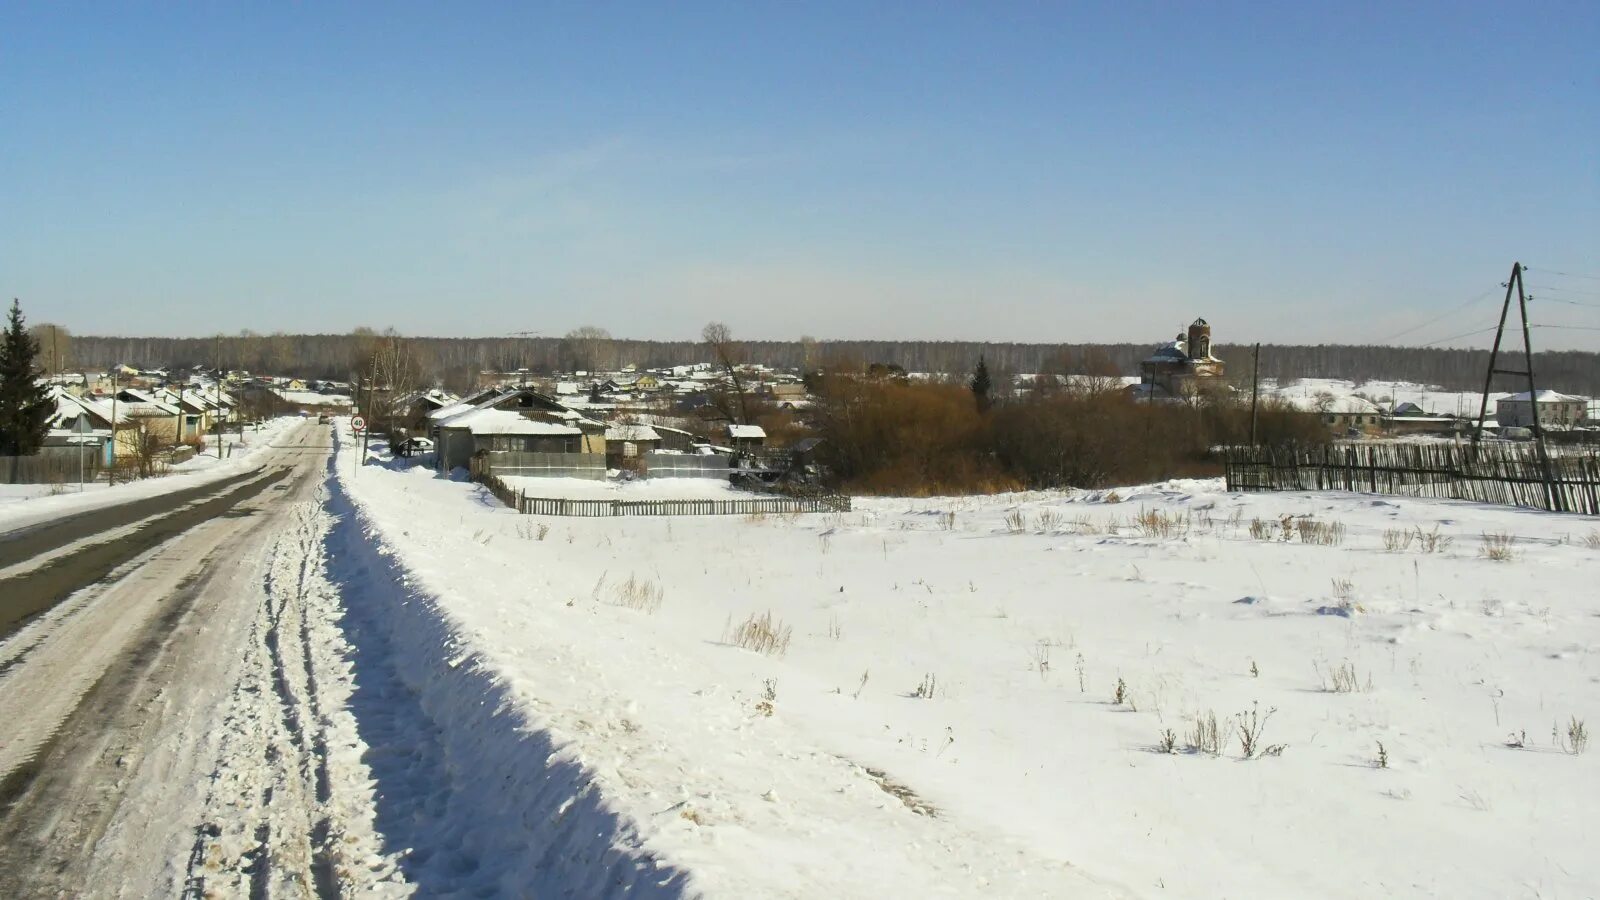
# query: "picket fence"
770, 505
1511, 475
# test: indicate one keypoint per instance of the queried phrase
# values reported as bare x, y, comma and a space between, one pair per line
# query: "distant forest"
455, 362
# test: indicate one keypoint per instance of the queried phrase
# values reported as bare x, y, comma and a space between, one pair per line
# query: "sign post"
357, 424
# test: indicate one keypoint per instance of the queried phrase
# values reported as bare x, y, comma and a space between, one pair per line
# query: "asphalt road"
132, 633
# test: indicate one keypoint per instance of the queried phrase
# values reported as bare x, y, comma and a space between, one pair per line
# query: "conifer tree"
25, 405
980, 385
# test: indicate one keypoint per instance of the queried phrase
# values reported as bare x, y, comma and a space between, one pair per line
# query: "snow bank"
486, 799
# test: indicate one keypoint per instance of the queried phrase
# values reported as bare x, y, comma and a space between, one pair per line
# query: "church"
1183, 367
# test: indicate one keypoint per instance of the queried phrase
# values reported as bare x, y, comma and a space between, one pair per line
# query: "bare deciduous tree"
729, 356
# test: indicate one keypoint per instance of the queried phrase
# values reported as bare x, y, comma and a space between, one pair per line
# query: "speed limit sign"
358, 423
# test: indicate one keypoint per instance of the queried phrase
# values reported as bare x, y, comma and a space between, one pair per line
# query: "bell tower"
1199, 339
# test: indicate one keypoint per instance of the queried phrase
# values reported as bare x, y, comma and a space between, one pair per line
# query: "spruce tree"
25, 405
980, 385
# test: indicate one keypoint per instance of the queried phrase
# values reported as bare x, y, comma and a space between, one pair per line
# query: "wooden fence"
543, 506
1568, 481
51, 467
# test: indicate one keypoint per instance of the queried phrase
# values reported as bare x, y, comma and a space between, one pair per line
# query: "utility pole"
1255, 390
1515, 283
216, 353
366, 433
111, 476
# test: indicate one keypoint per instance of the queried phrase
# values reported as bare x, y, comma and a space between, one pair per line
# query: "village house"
150, 415
1182, 368
746, 438
628, 442
80, 424
411, 411
521, 420
194, 414
1556, 410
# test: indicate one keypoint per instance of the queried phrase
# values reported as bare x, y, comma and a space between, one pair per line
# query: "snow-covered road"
166, 731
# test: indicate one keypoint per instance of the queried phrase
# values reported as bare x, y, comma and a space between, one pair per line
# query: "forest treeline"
455, 362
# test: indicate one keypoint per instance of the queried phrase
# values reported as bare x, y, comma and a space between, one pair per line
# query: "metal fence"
1508, 475
540, 506
683, 465
532, 464
51, 467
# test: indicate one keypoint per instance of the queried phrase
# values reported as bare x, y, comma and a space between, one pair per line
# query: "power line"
1456, 337
1570, 327
1566, 274
1568, 302
1441, 318
1564, 290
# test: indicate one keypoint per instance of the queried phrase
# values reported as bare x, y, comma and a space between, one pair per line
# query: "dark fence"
51, 467
542, 506
1568, 481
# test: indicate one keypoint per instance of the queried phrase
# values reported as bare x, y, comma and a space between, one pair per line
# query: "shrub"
1251, 725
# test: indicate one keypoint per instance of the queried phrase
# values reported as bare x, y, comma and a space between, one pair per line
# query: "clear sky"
1052, 171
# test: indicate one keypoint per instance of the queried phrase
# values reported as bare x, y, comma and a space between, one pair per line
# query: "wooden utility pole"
216, 353
1514, 283
111, 474
1255, 390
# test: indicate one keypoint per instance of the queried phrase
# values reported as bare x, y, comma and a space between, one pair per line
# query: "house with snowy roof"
746, 437
513, 421
1556, 410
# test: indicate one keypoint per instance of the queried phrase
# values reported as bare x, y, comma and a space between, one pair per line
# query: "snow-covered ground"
25, 504
975, 691
1386, 394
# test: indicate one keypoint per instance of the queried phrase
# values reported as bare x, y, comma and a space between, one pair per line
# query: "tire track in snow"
276, 708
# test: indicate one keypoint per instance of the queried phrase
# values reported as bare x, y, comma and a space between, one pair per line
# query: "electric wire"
1564, 274
1478, 299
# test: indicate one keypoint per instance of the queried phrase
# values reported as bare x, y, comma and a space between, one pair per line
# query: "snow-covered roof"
738, 432
1171, 351
69, 407
1340, 406
504, 421
631, 433
1545, 396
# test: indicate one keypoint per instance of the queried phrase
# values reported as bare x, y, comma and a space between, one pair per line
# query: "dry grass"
1592, 540
760, 633
1205, 735
1326, 534
1153, 523
639, 594
1016, 523
1261, 531
1341, 679
1498, 546
1577, 736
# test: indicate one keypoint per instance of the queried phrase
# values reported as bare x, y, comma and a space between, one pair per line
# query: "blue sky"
1039, 171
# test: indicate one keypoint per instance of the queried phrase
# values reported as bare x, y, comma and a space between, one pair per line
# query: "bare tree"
729, 356
590, 348
55, 346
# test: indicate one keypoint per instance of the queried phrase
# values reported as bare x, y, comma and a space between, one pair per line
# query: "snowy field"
971, 697
25, 504
1428, 399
